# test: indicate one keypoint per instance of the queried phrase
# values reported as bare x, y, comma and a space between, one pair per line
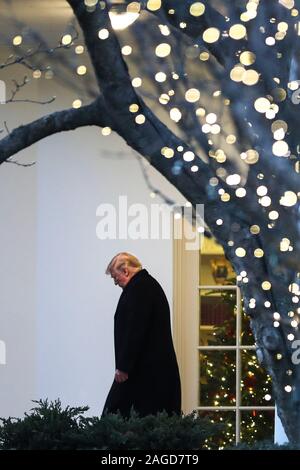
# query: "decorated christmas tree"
218, 379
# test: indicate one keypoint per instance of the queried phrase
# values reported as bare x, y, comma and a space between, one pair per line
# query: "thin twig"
6, 128
20, 164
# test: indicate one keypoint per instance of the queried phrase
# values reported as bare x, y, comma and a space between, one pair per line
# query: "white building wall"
57, 306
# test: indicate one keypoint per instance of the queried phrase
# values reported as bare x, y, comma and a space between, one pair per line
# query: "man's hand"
120, 376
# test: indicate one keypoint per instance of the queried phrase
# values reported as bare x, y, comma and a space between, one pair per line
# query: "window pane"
217, 317
226, 434
256, 385
217, 378
257, 425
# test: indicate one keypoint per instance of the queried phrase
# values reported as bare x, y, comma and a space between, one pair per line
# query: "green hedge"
49, 426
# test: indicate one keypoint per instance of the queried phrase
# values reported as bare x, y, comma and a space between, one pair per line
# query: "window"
233, 388
219, 371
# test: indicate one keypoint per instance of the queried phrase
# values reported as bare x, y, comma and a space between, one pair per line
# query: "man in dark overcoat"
146, 376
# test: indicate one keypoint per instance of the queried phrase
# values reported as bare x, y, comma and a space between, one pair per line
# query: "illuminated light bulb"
204, 56
133, 108
167, 152
233, 180
219, 221
254, 229
267, 304
276, 324
251, 156
284, 244
225, 197
237, 31
276, 316
164, 99
280, 148
211, 118
37, 74
215, 129
270, 114
77, 104
294, 323
240, 192
211, 35
192, 95
240, 252
126, 50
294, 288
175, 114
250, 77
262, 190
17, 40
279, 124
290, 337
154, 5
288, 388
279, 134
266, 285
165, 31
163, 50
197, 9
106, 131
247, 58
289, 199
194, 168
136, 82
267, 397
66, 40
206, 128
81, 70
258, 253
262, 105
237, 73
265, 201
140, 119
282, 26
270, 41
79, 49
103, 34
160, 77
273, 215
188, 156
230, 139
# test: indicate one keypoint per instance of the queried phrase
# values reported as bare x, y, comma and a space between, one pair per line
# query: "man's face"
121, 277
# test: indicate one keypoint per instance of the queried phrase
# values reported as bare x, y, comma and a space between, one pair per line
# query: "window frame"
238, 348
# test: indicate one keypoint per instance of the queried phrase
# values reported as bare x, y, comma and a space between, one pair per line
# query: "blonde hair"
121, 261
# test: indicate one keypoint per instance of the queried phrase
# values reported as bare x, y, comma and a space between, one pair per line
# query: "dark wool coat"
144, 349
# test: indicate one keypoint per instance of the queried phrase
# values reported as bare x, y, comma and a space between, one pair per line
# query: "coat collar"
140, 274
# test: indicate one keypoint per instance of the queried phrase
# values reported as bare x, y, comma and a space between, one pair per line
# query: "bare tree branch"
69, 119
